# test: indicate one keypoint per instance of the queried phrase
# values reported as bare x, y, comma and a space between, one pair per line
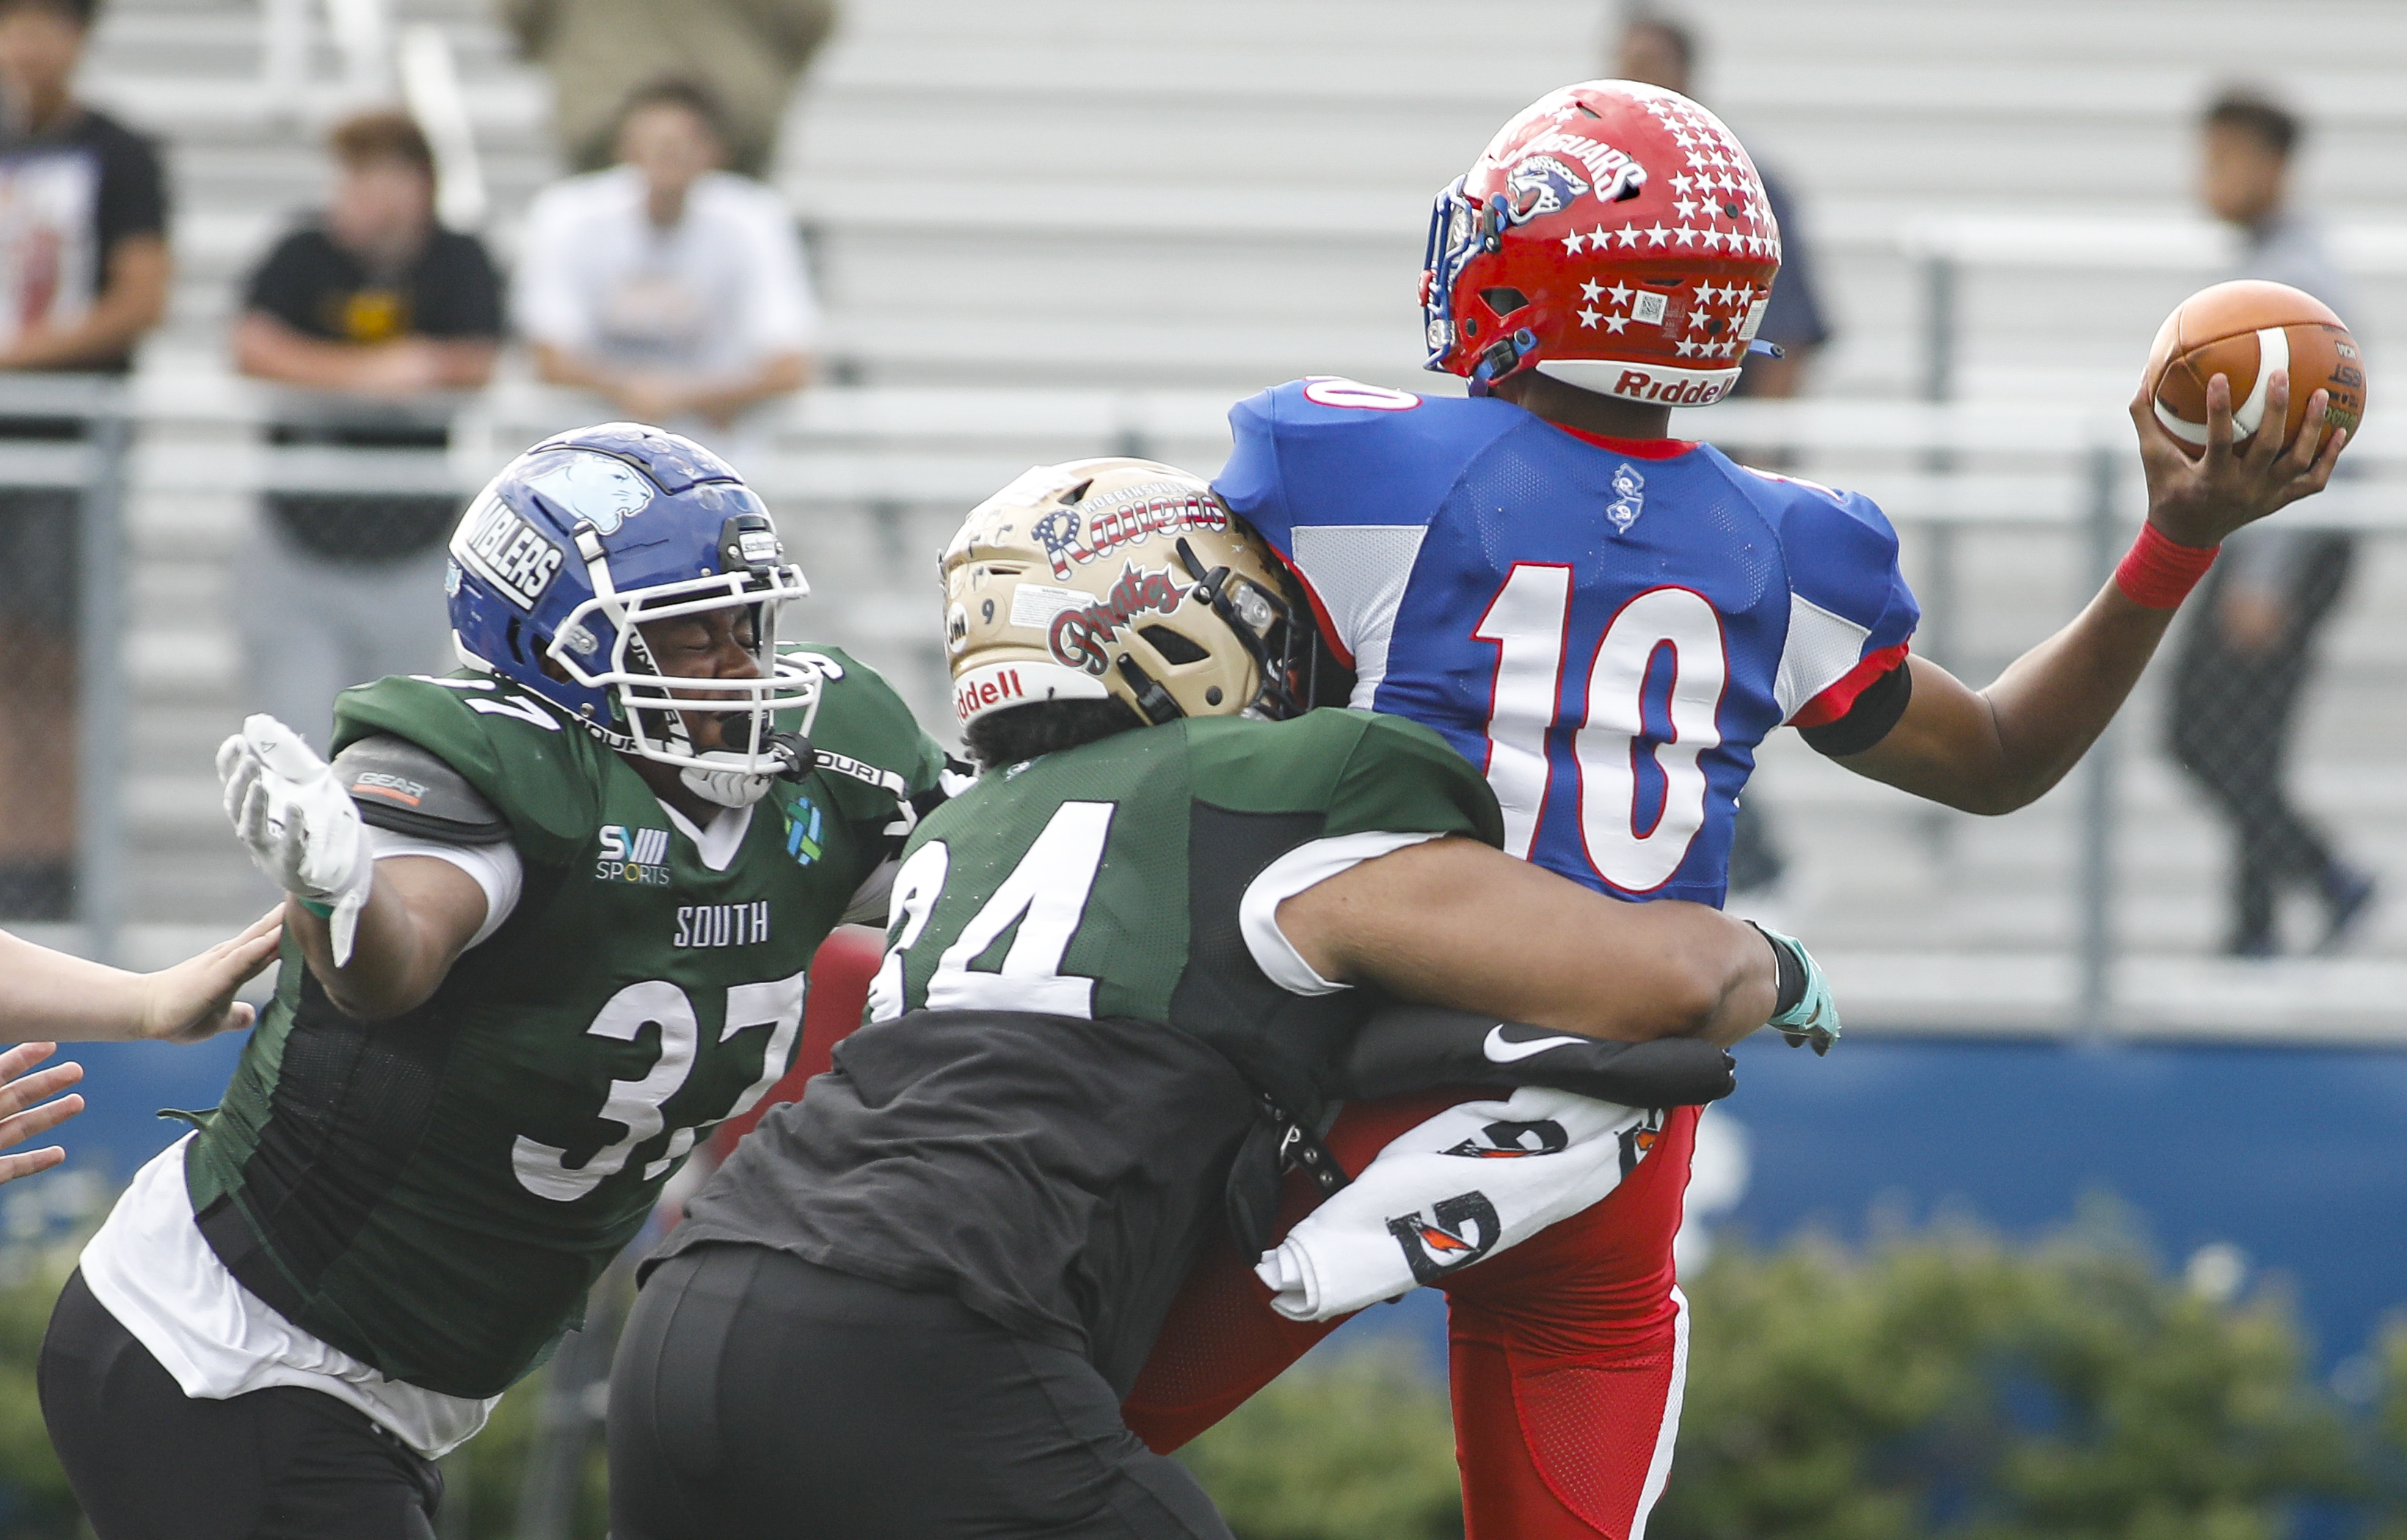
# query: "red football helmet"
1613, 235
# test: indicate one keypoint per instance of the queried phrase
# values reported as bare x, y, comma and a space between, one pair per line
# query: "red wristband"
2160, 574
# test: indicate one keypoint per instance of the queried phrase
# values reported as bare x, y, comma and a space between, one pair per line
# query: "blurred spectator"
598, 53
375, 311
671, 287
83, 274
2245, 657
1659, 51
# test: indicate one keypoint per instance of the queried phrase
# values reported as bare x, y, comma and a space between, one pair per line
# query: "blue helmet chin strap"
1504, 358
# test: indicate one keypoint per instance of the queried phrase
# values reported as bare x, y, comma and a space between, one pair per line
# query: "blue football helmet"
590, 535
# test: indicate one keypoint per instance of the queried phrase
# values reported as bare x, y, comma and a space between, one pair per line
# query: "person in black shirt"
376, 313
83, 274
87, 236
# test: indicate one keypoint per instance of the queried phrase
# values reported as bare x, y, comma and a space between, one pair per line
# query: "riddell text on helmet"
974, 696
1641, 386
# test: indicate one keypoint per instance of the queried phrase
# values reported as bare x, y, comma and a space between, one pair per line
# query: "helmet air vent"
1503, 300
1174, 648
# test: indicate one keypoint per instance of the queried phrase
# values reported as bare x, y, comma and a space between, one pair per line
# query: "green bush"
1955, 1385
1352, 1444
34, 1502
1947, 1385
1944, 1387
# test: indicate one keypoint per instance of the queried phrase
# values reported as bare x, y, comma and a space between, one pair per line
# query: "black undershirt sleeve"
1869, 719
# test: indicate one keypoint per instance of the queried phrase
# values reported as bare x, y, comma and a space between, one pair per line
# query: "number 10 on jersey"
1652, 699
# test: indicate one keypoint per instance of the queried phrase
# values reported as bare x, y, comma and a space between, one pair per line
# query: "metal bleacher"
1071, 226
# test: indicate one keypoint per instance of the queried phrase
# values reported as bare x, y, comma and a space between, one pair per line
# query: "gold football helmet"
1120, 578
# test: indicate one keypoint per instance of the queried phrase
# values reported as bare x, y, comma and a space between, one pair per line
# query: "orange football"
2245, 330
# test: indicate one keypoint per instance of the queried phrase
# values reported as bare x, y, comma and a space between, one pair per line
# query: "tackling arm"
1997, 750
420, 916
1455, 922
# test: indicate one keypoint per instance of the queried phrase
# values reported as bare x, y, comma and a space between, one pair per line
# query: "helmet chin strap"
733, 787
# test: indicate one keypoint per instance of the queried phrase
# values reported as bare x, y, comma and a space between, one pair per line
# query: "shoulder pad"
402, 787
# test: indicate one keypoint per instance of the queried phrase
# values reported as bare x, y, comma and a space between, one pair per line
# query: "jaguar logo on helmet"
600, 490
1616, 173
1541, 184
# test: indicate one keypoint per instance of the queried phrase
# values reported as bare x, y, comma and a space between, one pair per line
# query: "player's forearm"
398, 958
1454, 922
1997, 750
1662, 970
2051, 703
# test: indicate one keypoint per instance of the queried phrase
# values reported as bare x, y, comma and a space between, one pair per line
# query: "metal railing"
2026, 481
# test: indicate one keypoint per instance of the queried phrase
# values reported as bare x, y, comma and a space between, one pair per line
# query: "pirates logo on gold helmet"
1117, 579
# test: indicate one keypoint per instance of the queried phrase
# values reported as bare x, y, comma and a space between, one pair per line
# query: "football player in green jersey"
548, 921
910, 1303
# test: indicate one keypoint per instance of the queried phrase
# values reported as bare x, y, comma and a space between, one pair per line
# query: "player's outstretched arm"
1455, 922
20, 1118
419, 915
1996, 749
379, 934
66, 999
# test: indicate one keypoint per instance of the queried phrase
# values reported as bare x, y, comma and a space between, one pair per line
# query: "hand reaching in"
20, 1118
194, 999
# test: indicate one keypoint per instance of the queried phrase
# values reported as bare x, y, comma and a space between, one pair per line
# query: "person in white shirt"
672, 288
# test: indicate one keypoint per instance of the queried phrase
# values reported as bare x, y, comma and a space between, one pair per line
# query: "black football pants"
148, 1462
756, 1394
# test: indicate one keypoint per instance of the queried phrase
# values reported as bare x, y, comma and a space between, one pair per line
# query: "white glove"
299, 824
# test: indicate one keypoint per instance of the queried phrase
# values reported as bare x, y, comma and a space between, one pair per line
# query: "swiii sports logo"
1078, 637
639, 856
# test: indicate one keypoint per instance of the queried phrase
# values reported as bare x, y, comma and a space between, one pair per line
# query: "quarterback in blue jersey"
1608, 622
1607, 626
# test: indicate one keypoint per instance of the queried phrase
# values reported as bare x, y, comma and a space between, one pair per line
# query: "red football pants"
1567, 1353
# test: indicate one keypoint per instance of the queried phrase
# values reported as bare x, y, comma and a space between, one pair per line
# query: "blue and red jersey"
1606, 627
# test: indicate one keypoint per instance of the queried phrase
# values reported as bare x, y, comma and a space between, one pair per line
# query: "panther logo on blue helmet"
549, 565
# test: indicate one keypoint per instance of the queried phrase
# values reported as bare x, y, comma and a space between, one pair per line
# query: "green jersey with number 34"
435, 1194
1084, 988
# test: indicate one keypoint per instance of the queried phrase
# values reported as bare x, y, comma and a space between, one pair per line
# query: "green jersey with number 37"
435, 1194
